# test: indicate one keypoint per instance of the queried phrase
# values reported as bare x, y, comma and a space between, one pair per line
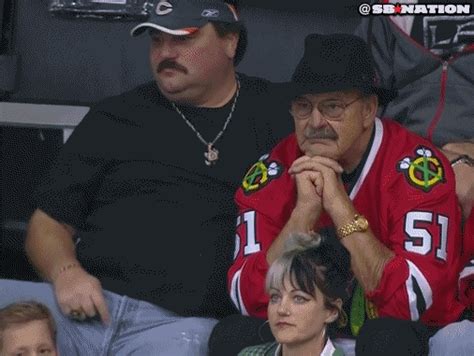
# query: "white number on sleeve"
251, 246
441, 251
420, 240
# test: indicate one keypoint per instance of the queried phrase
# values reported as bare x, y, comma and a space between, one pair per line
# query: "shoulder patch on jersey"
423, 171
260, 174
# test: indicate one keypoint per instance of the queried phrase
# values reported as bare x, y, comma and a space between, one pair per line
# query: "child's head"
27, 328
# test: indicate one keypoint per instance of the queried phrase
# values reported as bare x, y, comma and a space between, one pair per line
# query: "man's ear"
231, 41
370, 106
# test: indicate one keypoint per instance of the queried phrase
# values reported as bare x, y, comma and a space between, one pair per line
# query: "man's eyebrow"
20, 349
45, 345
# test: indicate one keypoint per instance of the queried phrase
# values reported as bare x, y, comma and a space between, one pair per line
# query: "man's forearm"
461, 155
49, 245
299, 222
368, 258
453, 149
368, 255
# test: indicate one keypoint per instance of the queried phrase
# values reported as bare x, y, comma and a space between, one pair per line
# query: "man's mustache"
323, 133
170, 64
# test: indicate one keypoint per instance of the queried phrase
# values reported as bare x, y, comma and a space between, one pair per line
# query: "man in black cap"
381, 192
135, 220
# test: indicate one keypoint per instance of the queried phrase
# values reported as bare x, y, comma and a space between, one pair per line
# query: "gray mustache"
325, 133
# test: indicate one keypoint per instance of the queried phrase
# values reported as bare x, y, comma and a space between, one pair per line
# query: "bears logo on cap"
163, 8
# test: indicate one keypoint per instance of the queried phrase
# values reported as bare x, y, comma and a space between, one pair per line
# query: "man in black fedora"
381, 192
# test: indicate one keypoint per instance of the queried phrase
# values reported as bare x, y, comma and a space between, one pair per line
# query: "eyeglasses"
332, 109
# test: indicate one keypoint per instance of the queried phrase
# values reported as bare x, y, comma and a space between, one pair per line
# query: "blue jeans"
454, 339
137, 328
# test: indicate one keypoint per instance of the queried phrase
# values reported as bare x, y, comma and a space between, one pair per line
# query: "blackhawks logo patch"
260, 174
423, 171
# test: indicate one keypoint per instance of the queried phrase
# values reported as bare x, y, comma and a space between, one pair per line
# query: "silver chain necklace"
212, 154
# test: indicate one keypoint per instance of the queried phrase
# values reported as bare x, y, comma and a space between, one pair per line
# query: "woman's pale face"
296, 317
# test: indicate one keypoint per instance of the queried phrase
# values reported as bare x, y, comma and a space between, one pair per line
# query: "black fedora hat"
337, 62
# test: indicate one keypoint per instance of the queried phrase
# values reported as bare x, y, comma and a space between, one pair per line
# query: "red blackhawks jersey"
406, 191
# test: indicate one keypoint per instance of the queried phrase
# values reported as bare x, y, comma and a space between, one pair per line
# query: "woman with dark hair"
307, 288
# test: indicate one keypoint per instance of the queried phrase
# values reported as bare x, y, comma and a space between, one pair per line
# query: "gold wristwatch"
358, 224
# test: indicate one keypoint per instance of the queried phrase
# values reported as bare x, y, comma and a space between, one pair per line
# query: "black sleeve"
69, 187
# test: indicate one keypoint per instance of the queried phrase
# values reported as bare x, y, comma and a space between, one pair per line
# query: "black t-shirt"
154, 222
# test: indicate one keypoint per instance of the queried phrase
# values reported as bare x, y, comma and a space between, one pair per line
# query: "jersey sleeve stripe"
235, 294
467, 270
370, 159
420, 295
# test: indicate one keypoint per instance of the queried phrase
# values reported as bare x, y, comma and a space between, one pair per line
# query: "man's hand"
309, 188
308, 207
464, 174
460, 148
368, 255
326, 171
80, 295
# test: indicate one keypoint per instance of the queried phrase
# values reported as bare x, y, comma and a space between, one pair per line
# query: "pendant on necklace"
212, 155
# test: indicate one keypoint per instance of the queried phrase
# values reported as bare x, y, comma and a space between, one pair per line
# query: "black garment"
382, 336
235, 332
393, 337
154, 222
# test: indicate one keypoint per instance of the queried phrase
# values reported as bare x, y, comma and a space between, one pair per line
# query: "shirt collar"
278, 350
328, 350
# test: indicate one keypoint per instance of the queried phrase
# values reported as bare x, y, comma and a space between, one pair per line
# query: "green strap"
357, 310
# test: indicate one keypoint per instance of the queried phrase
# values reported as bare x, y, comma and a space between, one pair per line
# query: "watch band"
358, 224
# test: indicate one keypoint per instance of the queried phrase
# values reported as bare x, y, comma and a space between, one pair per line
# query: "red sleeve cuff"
394, 275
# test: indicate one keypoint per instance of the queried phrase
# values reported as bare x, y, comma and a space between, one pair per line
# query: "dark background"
78, 61
84, 60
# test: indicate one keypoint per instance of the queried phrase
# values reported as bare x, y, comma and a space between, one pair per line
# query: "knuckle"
62, 301
65, 297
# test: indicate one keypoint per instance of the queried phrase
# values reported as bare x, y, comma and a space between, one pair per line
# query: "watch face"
362, 223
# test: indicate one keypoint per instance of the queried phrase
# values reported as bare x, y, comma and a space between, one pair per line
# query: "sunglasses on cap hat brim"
186, 16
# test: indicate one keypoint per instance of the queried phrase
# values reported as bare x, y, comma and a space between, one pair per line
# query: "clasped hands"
319, 186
